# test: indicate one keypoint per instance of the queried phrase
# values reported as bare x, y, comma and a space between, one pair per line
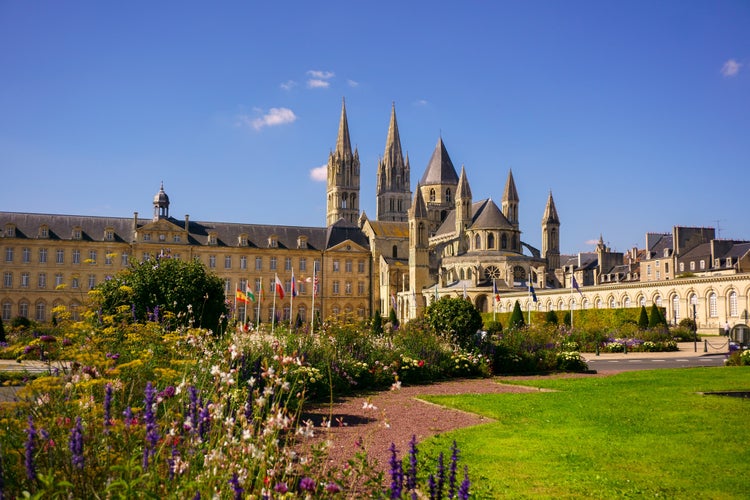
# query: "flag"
249, 292
315, 285
393, 303
575, 286
279, 286
494, 291
294, 285
240, 296
532, 292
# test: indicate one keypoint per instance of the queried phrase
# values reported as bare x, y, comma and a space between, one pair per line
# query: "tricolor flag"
494, 291
249, 291
315, 285
239, 296
575, 286
532, 292
279, 287
294, 285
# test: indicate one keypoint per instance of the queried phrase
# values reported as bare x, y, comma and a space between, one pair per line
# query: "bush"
456, 319
516, 317
493, 328
571, 361
550, 317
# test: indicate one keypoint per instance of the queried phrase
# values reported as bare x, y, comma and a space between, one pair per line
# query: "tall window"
41, 311
273, 264
490, 241
42, 255
258, 263
733, 304
42, 280
243, 262
348, 265
477, 242
92, 281
287, 264
227, 262
360, 266
336, 265
92, 256
9, 254
335, 287
8, 279
676, 307
76, 256
7, 310
212, 261
24, 280
302, 264
712, 309
58, 280
448, 195
26, 255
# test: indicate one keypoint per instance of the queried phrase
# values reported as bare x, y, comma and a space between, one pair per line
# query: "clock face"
491, 272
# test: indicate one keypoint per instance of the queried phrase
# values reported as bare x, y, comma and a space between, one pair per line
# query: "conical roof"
343, 142
463, 190
550, 212
489, 216
440, 169
510, 193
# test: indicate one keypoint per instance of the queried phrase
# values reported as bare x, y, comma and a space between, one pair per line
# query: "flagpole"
244, 319
291, 302
528, 282
494, 301
312, 317
273, 307
260, 297
571, 302
235, 303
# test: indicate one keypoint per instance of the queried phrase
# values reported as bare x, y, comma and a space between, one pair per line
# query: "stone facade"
435, 241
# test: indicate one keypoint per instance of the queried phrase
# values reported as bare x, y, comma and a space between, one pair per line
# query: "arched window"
432, 195
353, 200
598, 303
626, 302
657, 301
477, 242
490, 240
343, 200
461, 274
448, 195
733, 304
395, 252
611, 303
712, 310
504, 241
676, 307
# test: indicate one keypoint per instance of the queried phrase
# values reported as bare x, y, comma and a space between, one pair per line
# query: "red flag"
279, 287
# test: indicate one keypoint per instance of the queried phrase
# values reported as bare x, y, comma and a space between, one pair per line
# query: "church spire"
393, 197
510, 200
343, 177
551, 235
550, 212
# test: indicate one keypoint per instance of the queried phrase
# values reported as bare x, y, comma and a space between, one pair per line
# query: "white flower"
367, 405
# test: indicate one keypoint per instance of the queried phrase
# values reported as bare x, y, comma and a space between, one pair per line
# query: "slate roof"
485, 215
440, 169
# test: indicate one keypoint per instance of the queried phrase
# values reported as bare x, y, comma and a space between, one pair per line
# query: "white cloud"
315, 83
274, 117
288, 85
730, 68
320, 173
421, 102
592, 242
321, 75
352, 83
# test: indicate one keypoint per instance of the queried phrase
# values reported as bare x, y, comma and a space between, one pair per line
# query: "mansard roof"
440, 169
342, 231
60, 227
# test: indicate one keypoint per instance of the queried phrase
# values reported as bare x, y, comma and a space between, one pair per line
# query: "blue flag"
532, 292
575, 285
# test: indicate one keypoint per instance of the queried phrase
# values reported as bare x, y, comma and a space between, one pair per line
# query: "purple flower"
29, 448
453, 470
441, 476
235, 482
397, 473
149, 417
463, 490
333, 487
411, 476
113, 355
75, 444
306, 484
128, 414
167, 393
280, 488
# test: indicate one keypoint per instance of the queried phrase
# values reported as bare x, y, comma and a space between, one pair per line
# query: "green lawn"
636, 434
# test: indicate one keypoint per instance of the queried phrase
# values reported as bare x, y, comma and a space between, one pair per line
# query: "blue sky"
636, 115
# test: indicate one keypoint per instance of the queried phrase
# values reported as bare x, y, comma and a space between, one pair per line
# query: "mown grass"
635, 434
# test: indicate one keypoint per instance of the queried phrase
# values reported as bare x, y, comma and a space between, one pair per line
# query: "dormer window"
44, 232
212, 238
109, 234
729, 262
273, 241
77, 233
666, 252
10, 231
302, 242
147, 237
242, 240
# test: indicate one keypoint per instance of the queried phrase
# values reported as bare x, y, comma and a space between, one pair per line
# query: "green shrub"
493, 328
456, 319
571, 361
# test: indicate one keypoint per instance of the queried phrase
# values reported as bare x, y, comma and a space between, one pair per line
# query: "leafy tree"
550, 317
456, 318
567, 319
516, 317
393, 318
168, 290
493, 327
2, 332
655, 319
377, 323
643, 319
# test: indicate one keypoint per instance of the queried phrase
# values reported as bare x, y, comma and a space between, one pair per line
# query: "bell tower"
343, 177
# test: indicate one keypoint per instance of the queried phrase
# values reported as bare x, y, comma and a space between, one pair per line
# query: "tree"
643, 319
454, 318
172, 291
516, 317
550, 317
393, 318
567, 319
377, 323
655, 319
2, 332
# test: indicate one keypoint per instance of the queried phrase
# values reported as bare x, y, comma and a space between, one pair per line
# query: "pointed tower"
439, 184
343, 177
463, 209
393, 191
161, 204
419, 256
551, 235
510, 200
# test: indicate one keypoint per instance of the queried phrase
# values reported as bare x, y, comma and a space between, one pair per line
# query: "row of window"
44, 255
491, 242
713, 310
43, 281
301, 287
39, 310
76, 233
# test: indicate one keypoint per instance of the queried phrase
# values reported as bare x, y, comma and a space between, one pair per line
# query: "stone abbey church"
439, 240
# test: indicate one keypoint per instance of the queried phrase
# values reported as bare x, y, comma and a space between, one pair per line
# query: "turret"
393, 197
551, 235
343, 177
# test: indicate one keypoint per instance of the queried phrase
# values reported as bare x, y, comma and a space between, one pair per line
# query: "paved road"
637, 363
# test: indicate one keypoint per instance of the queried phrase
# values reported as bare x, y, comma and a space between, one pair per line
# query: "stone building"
441, 239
